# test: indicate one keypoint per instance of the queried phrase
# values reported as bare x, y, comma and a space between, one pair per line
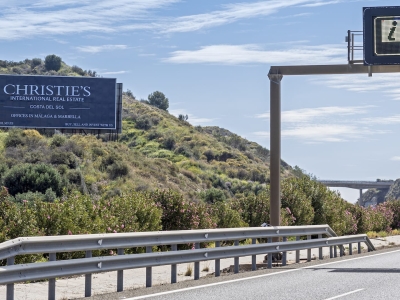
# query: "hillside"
161, 174
156, 150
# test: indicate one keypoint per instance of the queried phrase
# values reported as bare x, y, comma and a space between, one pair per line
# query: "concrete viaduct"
359, 185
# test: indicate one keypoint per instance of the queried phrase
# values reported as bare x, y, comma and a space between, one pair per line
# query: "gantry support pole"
275, 148
275, 76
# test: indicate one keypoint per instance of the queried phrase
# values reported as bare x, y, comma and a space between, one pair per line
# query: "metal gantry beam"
275, 76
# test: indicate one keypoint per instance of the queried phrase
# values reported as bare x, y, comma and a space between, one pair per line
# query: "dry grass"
189, 270
206, 267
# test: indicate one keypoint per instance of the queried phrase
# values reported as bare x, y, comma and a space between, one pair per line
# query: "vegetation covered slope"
162, 173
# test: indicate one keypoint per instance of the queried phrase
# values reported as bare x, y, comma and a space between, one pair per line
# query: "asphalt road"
375, 276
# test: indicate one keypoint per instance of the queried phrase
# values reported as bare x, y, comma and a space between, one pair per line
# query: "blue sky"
211, 59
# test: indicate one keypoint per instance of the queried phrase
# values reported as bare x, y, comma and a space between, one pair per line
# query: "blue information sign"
381, 35
57, 102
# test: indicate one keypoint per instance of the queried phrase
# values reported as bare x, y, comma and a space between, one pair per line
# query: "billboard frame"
117, 103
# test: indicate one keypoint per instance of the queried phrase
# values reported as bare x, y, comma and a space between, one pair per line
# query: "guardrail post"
321, 256
88, 278
308, 250
197, 264
217, 262
149, 274
269, 260
10, 286
173, 267
341, 250
236, 261
335, 250
120, 274
284, 254
330, 251
350, 249
359, 247
52, 281
297, 252
254, 257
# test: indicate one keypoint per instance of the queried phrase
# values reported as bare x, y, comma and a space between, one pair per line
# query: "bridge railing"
11, 273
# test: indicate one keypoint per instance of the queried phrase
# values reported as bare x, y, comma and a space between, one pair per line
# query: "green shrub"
118, 169
27, 177
213, 195
59, 157
298, 201
181, 214
36, 62
15, 138
226, 216
52, 62
58, 140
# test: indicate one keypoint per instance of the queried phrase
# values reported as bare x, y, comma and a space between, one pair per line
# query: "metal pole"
348, 45
120, 274
10, 286
173, 267
284, 254
88, 278
236, 260
360, 202
217, 262
297, 252
197, 264
308, 250
253, 257
149, 274
52, 281
321, 257
275, 148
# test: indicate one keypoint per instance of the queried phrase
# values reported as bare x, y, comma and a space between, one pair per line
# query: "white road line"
255, 277
342, 295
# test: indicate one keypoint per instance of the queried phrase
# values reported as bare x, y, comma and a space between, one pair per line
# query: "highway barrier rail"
276, 237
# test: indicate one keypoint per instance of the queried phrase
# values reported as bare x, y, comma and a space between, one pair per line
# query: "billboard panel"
58, 102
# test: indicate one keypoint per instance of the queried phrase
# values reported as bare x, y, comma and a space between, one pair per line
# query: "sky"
211, 59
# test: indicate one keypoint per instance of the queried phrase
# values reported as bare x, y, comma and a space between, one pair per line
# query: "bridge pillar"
360, 202
275, 148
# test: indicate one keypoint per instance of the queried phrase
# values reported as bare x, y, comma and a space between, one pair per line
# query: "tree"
159, 100
52, 62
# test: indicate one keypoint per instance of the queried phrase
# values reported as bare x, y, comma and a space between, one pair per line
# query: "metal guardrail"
52, 269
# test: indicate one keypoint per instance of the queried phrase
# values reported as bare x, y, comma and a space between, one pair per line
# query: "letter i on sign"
392, 30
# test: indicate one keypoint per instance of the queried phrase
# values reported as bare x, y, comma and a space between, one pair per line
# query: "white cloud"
231, 13
309, 114
192, 119
386, 83
97, 49
395, 158
325, 132
114, 72
23, 18
321, 3
389, 120
248, 54
29, 19
329, 124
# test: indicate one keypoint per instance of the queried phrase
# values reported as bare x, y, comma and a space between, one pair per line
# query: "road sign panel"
381, 35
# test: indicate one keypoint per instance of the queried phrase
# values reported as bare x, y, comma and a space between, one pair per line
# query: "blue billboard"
58, 102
